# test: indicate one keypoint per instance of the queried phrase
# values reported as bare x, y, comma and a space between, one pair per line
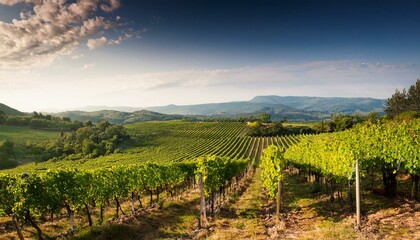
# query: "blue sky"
57, 54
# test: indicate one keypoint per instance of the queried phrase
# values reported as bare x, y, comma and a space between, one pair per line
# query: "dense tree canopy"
40, 121
404, 101
86, 141
257, 129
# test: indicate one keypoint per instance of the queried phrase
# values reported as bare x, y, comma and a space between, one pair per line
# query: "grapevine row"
388, 146
47, 193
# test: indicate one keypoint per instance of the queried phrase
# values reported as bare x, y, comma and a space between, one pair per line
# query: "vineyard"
382, 147
156, 161
171, 161
174, 141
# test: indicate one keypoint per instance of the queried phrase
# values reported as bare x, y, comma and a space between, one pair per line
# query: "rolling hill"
292, 108
239, 109
10, 111
117, 117
326, 104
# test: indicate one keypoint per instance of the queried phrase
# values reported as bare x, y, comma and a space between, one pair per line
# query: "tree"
2, 117
6, 152
414, 97
265, 117
88, 146
404, 101
88, 123
38, 123
342, 122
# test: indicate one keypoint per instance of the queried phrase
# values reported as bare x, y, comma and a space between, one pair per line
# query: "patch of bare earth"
397, 223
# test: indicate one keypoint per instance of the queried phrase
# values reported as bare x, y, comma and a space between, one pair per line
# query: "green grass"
20, 136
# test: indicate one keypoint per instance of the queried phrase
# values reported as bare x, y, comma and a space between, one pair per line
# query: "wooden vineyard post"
203, 219
279, 201
357, 194
17, 226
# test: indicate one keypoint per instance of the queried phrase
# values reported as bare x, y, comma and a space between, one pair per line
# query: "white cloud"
13, 2
52, 29
88, 66
32, 89
95, 43
77, 56
322, 78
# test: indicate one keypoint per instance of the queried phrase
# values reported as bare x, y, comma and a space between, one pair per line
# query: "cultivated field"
151, 183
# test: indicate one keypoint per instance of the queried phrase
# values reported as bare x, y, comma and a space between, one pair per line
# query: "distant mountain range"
328, 105
112, 108
291, 108
117, 117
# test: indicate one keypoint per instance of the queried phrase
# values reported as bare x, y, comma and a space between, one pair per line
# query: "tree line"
40, 121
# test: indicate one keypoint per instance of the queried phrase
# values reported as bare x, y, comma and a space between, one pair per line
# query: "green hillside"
21, 136
10, 111
170, 141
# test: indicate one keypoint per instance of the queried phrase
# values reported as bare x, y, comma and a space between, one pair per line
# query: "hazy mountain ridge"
110, 108
326, 104
290, 107
239, 109
117, 117
217, 108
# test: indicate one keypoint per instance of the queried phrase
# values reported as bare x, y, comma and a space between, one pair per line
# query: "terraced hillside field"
160, 142
177, 141
173, 141
257, 144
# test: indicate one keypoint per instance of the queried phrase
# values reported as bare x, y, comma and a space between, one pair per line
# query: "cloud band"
53, 28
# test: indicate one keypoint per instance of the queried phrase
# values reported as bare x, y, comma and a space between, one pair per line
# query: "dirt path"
242, 219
